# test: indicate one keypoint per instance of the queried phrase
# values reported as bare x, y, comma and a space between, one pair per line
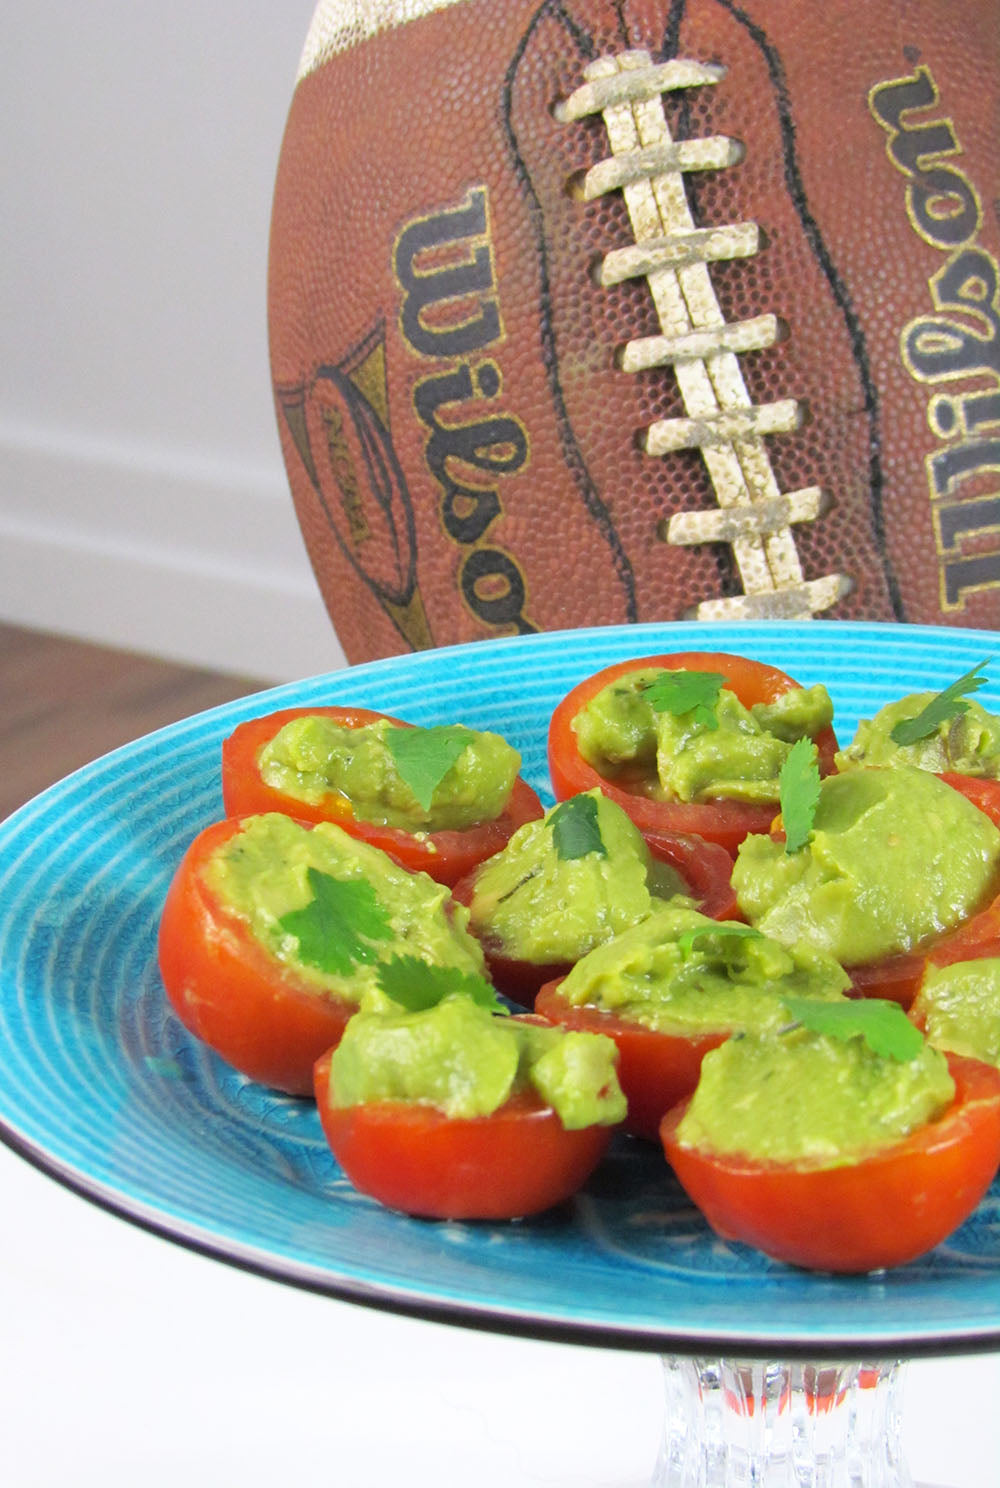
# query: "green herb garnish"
336, 928
424, 756
417, 984
696, 693
686, 942
798, 790
882, 1024
947, 704
575, 828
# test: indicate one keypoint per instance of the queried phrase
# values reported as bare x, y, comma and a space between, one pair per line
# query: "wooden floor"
64, 702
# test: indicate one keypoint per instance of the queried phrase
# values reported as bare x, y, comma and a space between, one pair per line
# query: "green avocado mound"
960, 1008
334, 909
710, 750
567, 882
896, 857
467, 1061
804, 1097
436, 779
965, 744
680, 972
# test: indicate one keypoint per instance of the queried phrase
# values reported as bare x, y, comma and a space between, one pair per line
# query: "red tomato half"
725, 822
705, 867
899, 977
519, 1160
229, 991
445, 856
882, 1211
655, 1070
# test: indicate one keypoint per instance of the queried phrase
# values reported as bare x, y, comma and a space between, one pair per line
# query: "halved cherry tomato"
705, 866
882, 1211
899, 977
230, 992
655, 1070
723, 821
446, 856
519, 1160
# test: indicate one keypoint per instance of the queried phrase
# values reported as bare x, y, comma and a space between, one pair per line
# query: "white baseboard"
193, 559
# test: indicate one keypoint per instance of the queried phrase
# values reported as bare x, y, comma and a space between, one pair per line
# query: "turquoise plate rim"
103, 1090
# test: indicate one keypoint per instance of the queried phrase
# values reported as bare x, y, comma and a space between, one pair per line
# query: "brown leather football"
591, 312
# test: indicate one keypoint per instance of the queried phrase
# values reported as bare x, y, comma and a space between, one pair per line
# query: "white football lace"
647, 165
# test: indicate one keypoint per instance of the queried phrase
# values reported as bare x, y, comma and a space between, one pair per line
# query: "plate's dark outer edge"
484, 1320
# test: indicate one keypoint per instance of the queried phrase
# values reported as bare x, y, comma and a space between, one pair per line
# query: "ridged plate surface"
101, 1087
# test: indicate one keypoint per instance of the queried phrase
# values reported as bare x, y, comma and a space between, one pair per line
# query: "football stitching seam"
672, 254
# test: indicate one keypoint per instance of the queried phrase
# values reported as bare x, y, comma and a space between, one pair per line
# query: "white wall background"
143, 499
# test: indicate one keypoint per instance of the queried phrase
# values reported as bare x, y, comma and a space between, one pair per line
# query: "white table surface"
126, 1359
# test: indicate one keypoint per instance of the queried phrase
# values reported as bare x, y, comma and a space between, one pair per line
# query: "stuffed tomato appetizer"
272, 930
829, 1152
947, 733
450, 1110
675, 986
439, 799
893, 869
576, 877
691, 742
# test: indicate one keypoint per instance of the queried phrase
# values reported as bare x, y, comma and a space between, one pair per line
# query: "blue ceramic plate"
102, 1088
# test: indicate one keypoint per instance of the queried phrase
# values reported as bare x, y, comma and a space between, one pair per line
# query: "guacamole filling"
431, 780
567, 882
959, 1006
804, 1097
680, 972
645, 732
896, 857
467, 1062
966, 744
334, 909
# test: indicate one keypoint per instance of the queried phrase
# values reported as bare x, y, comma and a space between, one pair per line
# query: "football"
602, 311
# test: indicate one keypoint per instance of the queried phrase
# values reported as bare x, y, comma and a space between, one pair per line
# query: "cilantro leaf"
686, 692
686, 942
424, 756
882, 1024
417, 984
947, 704
575, 828
336, 928
798, 788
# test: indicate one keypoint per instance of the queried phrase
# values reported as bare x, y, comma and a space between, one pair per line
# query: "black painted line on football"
859, 349
573, 455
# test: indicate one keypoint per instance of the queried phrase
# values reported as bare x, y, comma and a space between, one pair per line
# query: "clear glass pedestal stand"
754, 1423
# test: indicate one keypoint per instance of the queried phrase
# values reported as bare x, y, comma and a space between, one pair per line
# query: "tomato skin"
655, 1070
882, 1211
230, 992
706, 867
520, 1160
721, 821
445, 856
